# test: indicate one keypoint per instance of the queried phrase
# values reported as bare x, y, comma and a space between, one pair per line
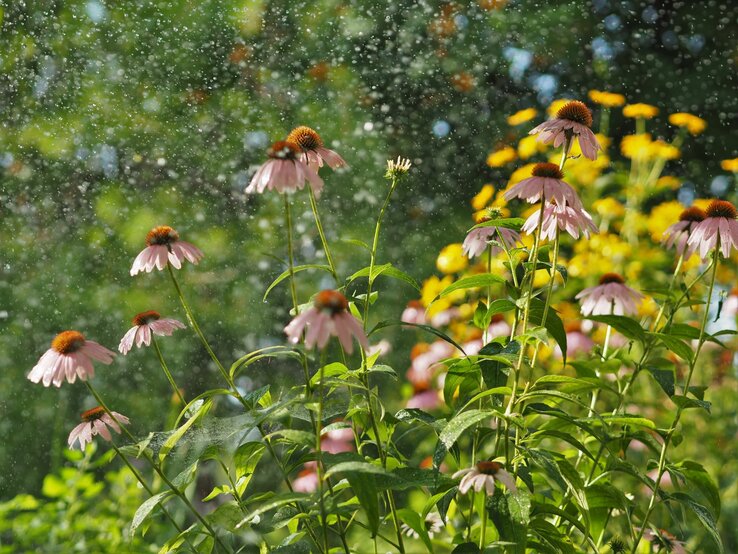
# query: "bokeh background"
118, 116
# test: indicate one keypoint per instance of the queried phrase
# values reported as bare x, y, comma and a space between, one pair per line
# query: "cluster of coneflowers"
296, 161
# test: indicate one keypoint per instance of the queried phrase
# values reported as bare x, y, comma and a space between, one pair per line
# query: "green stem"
323, 240
551, 281
692, 365
483, 537
319, 452
199, 333
164, 367
288, 223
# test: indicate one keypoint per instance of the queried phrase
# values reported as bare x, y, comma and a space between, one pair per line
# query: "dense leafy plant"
521, 434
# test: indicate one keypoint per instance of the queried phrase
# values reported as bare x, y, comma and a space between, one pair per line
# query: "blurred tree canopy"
117, 116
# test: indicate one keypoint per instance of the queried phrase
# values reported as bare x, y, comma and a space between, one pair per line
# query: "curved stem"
692, 365
164, 367
323, 240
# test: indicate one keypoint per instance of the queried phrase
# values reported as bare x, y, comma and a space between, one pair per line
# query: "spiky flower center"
283, 150
68, 342
488, 468
549, 170
611, 278
331, 301
576, 111
721, 208
93, 414
144, 318
162, 236
693, 214
305, 137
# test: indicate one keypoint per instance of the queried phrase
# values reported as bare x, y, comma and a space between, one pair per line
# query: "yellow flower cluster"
451, 259
522, 116
662, 216
606, 99
642, 111
692, 123
501, 157
642, 147
730, 165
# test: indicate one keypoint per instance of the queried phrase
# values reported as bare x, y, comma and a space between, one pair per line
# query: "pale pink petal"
102, 430
126, 343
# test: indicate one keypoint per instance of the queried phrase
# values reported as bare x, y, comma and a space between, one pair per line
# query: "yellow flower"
451, 259
636, 147
603, 140
647, 307
522, 116
530, 146
432, 287
692, 123
661, 217
665, 150
702, 203
556, 105
645, 111
482, 198
730, 165
523, 172
607, 99
605, 252
669, 182
500, 157
608, 208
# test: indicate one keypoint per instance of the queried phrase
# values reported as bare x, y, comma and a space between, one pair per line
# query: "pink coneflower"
611, 296
566, 218
547, 183
338, 440
313, 151
483, 476
719, 225
433, 525
424, 398
70, 356
284, 171
573, 120
96, 422
414, 313
478, 240
162, 246
663, 539
307, 479
328, 317
144, 324
426, 364
678, 233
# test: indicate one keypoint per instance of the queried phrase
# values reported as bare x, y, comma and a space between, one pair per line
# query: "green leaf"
510, 514
295, 269
409, 415
245, 459
174, 438
679, 347
386, 269
336, 369
146, 508
514, 223
495, 372
686, 403
553, 323
699, 482
417, 524
471, 282
664, 377
460, 423
483, 314
703, 514
428, 328
629, 420
274, 501
357, 467
462, 381
365, 489
624, 325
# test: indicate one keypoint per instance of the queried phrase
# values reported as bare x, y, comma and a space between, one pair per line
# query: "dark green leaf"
511, 514
460, 423
553, 323
514, 223
679, 347
145, 509
686, 403
624, 325
365, 490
